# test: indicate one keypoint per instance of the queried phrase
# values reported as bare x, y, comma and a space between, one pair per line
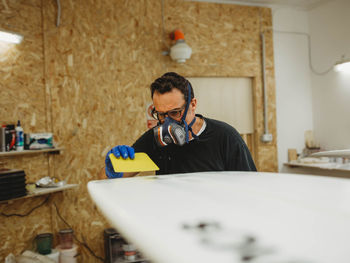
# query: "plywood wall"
23, 97
87, 82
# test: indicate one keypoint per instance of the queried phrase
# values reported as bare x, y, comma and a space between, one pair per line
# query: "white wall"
293, 81
330, 39
304, 100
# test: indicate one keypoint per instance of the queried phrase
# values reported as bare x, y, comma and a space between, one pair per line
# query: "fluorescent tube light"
343, 66
10, 37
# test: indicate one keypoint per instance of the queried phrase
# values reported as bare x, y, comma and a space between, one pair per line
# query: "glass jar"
66, 238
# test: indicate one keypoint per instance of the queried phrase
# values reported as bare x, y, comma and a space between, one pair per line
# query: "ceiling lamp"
343, 66
10, 37
180, 51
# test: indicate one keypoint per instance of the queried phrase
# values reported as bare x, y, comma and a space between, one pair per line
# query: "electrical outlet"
267, 137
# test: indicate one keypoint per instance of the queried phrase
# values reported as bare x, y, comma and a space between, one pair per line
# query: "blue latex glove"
121, 150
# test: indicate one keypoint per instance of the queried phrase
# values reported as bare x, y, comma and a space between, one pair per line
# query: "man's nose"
165, 118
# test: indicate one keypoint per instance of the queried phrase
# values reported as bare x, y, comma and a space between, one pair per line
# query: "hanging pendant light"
180, 51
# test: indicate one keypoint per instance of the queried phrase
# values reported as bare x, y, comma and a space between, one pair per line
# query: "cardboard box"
40, 140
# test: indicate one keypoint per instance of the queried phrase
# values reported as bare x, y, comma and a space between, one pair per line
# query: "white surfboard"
230, 217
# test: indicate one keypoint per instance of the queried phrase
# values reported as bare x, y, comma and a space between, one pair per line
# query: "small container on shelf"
130, 252
19, 137
44, 243
66, 238
68, 255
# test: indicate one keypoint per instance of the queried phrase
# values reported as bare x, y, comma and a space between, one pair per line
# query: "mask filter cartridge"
169, 132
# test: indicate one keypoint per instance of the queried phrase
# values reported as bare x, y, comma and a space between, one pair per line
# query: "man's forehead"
173, 92
165, 102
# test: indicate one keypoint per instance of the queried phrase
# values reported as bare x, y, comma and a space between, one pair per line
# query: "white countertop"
215, 217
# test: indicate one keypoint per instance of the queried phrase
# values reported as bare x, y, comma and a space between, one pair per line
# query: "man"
185, 142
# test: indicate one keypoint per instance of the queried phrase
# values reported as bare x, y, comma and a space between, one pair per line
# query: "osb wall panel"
92, 77
226, 43
23, 98
99, 64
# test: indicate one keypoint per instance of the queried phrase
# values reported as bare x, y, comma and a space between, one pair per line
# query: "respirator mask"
172, 131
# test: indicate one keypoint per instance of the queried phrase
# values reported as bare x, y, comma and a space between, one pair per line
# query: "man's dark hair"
169, 81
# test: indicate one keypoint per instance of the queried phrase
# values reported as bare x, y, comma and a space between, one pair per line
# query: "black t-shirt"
218, 148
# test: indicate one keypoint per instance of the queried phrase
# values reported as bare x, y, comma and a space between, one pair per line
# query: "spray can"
10, 138
3, 138
19, 137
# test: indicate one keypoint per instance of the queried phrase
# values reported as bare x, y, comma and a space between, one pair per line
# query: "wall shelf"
28, 152
335, 153
39, 190
322, 166
319, 169
43, 191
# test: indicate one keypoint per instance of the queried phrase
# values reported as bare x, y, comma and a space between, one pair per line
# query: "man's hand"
121, 150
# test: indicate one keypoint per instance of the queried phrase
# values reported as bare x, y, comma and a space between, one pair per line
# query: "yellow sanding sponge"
141, 163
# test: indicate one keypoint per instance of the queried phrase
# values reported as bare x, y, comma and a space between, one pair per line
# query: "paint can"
68, 255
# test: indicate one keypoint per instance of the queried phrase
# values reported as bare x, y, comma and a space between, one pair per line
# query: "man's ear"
194, 104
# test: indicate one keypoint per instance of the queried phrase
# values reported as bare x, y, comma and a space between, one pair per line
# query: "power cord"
309, 51
29, 212
83, 243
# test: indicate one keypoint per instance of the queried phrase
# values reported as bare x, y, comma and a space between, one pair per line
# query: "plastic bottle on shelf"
19, 137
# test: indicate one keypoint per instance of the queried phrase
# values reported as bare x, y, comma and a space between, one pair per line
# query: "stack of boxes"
12, 184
